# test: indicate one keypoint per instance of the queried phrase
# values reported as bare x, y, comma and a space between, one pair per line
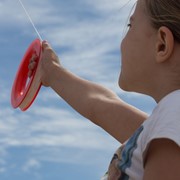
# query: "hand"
49, 61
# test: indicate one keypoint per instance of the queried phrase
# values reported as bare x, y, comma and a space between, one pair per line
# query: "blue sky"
50, 141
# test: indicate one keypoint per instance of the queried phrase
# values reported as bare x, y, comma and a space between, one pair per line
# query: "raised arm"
98, 104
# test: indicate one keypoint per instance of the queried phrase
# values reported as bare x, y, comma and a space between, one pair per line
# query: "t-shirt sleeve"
166, 126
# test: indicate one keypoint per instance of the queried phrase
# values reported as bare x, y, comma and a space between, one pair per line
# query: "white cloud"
31, 165
45, 126
2, 170
89, 43
51, 135
89, 47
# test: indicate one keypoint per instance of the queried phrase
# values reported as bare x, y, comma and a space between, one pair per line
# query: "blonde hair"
165, 13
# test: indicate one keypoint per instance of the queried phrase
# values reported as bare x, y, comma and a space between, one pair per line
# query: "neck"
163, 89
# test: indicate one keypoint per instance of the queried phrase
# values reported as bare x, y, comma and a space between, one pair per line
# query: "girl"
150, 65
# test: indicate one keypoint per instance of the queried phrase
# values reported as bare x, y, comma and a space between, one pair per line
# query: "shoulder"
164, 122
162, 160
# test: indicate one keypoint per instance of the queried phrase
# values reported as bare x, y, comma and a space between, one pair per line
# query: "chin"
123, 84
126, 85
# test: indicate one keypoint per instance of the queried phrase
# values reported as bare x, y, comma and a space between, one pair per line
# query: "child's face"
138, 51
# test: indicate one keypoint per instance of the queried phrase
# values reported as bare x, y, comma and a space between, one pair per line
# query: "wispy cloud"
89, 44
31, 164
86, 34
51, 127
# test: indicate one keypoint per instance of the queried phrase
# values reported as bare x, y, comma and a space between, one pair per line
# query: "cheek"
123, 48
126, 52
124, 59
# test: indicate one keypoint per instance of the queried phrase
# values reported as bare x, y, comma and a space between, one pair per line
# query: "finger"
33, 58
45, 45
32, 66
29, 73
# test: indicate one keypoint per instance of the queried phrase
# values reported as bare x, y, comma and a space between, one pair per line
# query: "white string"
125, 4
30, 20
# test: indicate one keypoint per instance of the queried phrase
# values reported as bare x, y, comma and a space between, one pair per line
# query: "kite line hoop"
25, 89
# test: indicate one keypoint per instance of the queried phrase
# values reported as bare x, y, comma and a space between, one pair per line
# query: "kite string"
27, 14
30, 20
125, 4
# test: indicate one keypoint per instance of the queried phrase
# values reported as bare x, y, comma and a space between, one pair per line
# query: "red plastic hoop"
25, 89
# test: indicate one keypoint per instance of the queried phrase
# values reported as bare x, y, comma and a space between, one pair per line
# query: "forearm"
81, 94
98, 104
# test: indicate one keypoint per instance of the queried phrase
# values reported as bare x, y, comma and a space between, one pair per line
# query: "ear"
164, 45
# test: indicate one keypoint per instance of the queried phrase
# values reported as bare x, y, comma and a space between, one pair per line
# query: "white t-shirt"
164, 122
